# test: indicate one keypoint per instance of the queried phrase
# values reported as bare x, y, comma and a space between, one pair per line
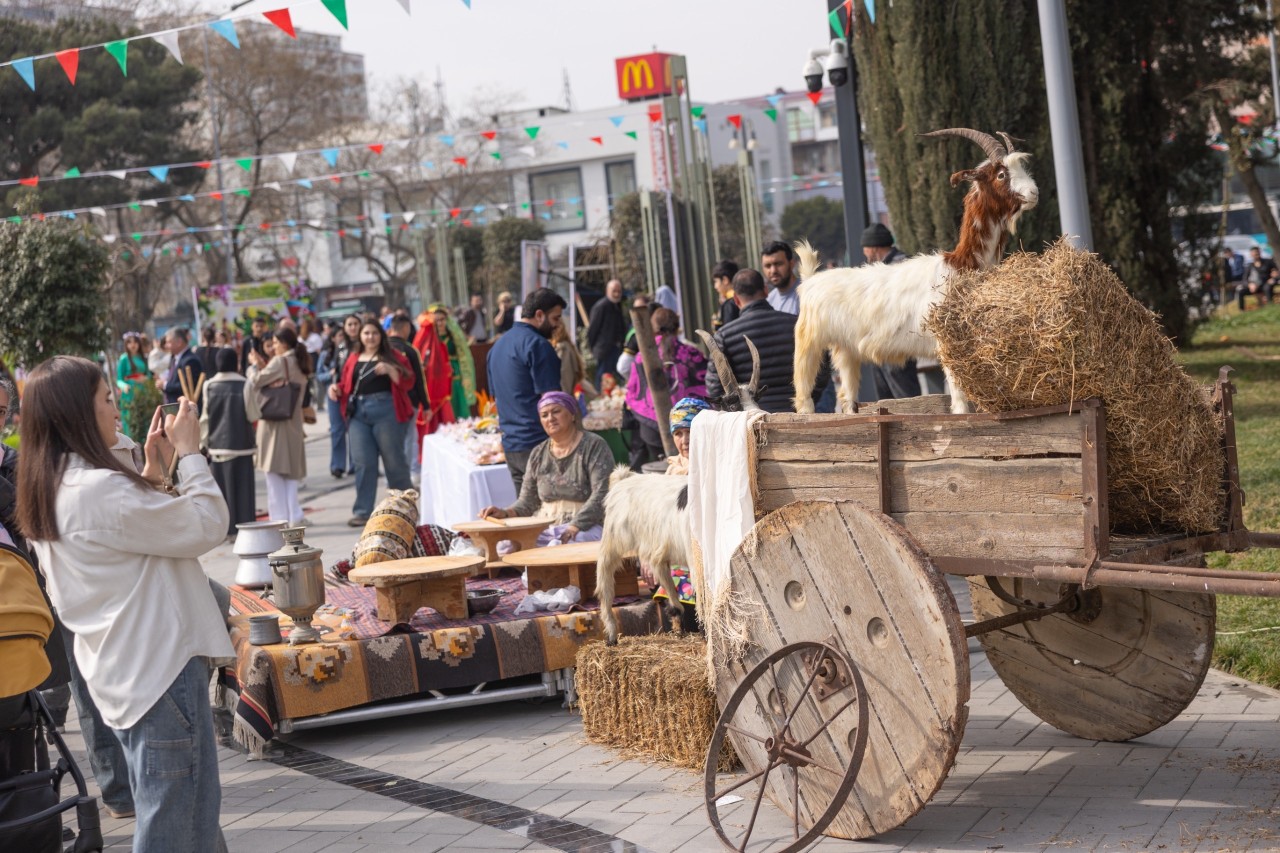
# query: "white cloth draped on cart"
721, 514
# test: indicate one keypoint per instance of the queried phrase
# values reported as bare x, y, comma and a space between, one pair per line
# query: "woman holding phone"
120, 555
373, 395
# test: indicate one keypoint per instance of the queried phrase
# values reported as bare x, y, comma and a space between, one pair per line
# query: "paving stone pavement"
1208, 781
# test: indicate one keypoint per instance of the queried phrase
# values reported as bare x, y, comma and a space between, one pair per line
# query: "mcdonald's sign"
643, 76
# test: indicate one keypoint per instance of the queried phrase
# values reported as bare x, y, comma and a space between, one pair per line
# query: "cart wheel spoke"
795, 801
827, 722
745, 733
755, 810
736, 785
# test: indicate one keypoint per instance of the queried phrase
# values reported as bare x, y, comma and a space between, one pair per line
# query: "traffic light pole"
852, 166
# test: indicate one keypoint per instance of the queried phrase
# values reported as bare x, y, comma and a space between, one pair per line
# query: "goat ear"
966, 175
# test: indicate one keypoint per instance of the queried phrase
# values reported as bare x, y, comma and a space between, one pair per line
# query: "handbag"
277, 401
308, 407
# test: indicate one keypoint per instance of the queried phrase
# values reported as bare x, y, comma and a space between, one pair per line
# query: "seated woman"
567, 478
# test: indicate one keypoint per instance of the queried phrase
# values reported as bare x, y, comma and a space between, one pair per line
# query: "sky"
735, 48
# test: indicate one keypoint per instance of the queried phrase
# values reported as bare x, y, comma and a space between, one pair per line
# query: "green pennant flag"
388, 229
524, 206
133, 205
73, 172
338, 8
364, 174
137, 238
632, 134
497, 155
120, 50
697, 111
834, 18
532, 131
244, 192
126, 255
15, 219
164, 251
772, 114
245, 163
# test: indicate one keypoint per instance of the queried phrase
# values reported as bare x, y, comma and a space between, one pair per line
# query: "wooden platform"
573, 564
521, 530
403, 586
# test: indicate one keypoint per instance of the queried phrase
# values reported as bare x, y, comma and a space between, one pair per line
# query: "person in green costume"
463, 398
131, 372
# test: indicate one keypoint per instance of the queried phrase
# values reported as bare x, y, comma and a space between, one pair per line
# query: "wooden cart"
847, 702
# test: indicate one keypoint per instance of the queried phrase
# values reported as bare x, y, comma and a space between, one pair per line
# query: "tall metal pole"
1275, 75
1064, 125
217, 157
852, 164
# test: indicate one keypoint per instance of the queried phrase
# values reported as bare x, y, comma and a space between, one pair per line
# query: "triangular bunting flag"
532, 131
70, 62
119, 174
29, 182
304, 182
205, 164
598, 140
697, 111
489, 134
497, 155
377, 147
337, 8
288, 160
772, 114
337, 179
834, 18
282, 19
467, 3
186, 197
408, 215
110, 238
461, 161
160, 173
562, 144
871, 9
170, 42
655, 114
120, 50
774, 100
151, 202
331, 156
528, 150
455, 212
133, 205
216, 196
244, 192
314, 223
226, 29
814, 97
26, 69
617, 120
73, 172
632, 134
100, 211
272, 185
736, 120
447, 139
700, 124
405, 4
245, 163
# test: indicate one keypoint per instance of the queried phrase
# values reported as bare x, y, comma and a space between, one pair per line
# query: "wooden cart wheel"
836, 574
809, 687
1127, 662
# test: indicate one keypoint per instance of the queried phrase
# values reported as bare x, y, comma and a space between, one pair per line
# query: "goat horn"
989, 144
754, 387
1008, 142
727, 380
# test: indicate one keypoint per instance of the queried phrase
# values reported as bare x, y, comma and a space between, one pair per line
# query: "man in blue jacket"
522, 366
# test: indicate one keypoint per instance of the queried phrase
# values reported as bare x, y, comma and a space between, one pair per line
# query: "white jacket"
124, 577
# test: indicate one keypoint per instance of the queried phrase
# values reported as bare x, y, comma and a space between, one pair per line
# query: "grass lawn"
1250, 343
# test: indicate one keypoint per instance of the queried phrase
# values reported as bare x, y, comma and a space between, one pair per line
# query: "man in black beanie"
890, 380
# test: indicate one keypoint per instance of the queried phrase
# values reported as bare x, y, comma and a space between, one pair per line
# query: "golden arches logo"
633, 72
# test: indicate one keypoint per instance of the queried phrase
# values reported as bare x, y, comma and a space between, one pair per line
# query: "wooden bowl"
483, 600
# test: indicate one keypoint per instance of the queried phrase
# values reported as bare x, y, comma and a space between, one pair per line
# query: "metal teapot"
298, 583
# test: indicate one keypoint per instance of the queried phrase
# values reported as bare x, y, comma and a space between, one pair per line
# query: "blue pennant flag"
146, 253
71, 214
187, 197
226, 29
331, 155
617, 120
160, 173
871, 9
700, 124
292, 223
26, 69
304, 182
774, 100
447, 139
479, 208
563, 145
428, 164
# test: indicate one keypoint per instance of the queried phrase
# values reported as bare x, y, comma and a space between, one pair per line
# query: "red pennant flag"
550, 202
205, 164
70, 62
490, 135
598, 140
466, 223
455, 212
40, 217
376, 148
337, 179
461, 161
29, 182
814, 97
342, 232
216, 196
281, 18
736, 121
264, 226
655, 114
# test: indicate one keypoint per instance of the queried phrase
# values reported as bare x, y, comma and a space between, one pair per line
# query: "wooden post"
654, 371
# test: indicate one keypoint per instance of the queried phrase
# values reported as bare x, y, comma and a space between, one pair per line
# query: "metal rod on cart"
1154, 577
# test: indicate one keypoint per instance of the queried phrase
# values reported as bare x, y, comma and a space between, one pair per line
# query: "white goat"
876, 312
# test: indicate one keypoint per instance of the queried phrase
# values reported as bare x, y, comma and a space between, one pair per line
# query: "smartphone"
170, 408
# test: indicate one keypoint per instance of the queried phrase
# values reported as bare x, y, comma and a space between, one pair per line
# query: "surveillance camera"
838, 63
813, 75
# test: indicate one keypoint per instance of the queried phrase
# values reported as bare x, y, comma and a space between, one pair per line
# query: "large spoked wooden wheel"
808, 697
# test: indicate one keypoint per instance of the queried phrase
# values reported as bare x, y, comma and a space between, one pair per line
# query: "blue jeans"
106, 758
374, 432
173, 767
337, 438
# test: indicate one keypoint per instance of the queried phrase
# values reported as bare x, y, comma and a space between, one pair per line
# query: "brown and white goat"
876, 312
646, 516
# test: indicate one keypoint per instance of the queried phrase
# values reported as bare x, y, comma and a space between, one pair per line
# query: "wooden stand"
572, 564
523, 531
403, 586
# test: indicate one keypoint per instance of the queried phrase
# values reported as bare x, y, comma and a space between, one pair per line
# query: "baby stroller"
31, 804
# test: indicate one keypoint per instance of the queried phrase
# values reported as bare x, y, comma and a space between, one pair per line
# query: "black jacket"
229, 427
418, 393
173, 388
608, 327
774, 334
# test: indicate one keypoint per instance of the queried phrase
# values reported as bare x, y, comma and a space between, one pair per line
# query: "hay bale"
1045, 329
648, 698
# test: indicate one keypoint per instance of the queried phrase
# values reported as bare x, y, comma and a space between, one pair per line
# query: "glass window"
348, 209
620, 179
826, 115
767, 188
799, 124
556, 198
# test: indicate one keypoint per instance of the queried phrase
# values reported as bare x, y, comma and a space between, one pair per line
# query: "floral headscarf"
460, 345
683, 412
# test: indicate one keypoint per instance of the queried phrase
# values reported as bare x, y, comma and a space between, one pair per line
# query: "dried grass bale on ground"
648, 697
1045, 329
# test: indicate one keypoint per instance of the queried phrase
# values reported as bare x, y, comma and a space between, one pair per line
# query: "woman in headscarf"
567, 478
463, 393
682, 415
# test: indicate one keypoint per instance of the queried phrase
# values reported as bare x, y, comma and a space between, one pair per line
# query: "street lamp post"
852, 165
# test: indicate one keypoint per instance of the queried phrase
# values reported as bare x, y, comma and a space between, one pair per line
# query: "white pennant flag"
528, 151
288, 160
110, 238
120, 174
314, 223
170, 41
101, 211
272, 185
151, 202
408, 215
405, 4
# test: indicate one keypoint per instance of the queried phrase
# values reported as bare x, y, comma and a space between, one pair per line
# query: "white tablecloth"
453, 489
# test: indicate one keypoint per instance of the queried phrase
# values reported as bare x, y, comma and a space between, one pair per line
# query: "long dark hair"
385, 353
289, 338
666, 322
58, 420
